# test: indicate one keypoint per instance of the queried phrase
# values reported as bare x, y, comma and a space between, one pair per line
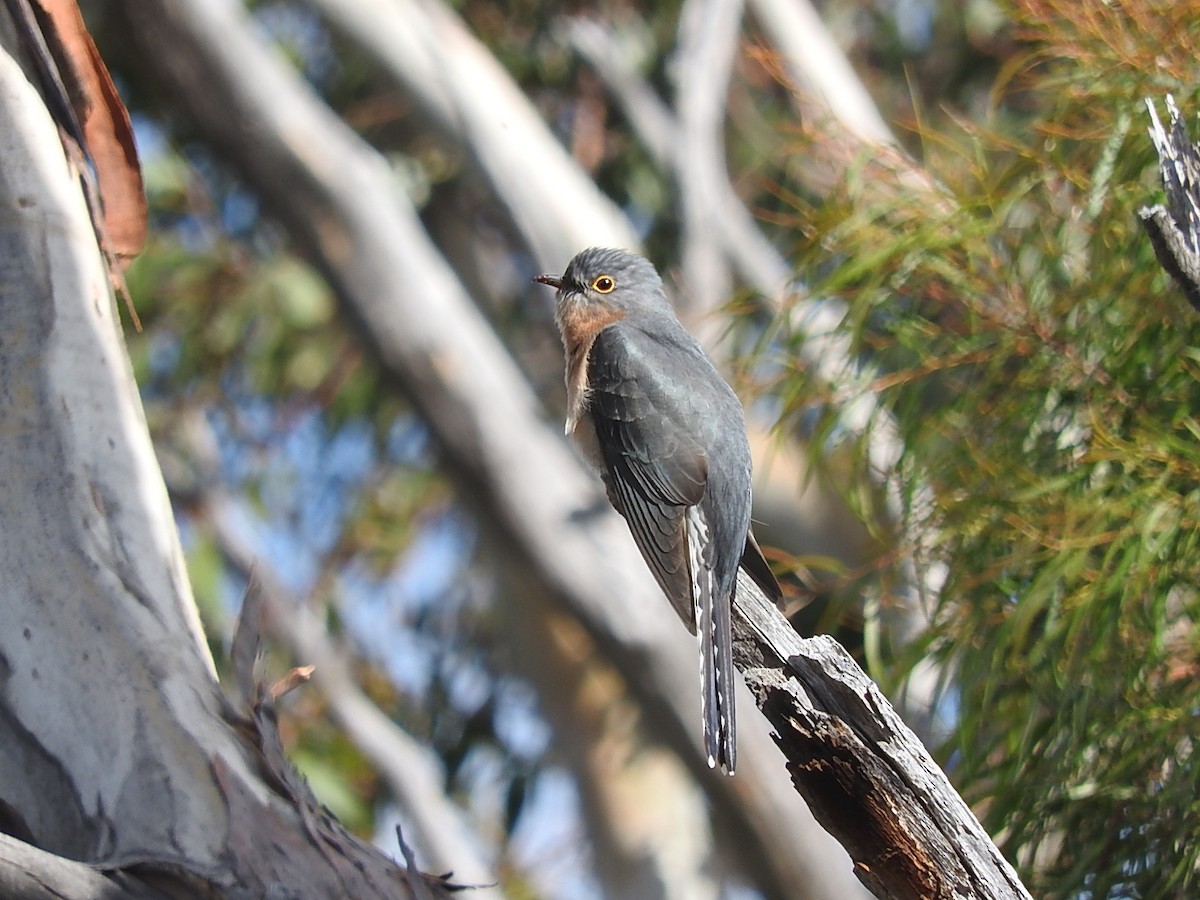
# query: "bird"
649, 410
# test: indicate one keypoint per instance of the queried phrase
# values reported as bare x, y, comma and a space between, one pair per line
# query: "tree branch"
1174, 229
831, 90
864, 774
708, 41
28, 873
425, 47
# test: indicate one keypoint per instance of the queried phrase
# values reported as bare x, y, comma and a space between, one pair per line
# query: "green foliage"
1043, 372
336, 772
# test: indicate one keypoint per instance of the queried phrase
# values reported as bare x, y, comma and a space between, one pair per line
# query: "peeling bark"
867, 778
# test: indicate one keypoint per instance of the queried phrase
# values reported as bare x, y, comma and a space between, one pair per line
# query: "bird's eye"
603, 284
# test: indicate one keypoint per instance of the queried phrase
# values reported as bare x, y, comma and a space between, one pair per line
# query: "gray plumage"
668, 436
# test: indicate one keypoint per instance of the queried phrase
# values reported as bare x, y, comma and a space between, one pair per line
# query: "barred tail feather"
724, 680
717, 683
714, 632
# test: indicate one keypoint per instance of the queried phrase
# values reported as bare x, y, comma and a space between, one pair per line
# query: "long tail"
717, 680
711, 601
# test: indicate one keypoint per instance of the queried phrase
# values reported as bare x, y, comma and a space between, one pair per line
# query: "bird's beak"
555, 281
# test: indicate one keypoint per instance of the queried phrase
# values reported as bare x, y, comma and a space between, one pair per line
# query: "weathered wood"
864, 774
1174, 229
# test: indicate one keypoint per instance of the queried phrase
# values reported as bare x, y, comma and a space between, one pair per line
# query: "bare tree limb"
28, 873
1174, 229
708, 41
867, 777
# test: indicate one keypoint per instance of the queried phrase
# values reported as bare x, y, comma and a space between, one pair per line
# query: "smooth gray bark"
118, 747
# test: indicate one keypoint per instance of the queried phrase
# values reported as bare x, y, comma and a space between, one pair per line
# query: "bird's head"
614, 280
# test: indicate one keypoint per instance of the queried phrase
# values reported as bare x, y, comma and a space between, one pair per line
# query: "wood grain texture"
865, 775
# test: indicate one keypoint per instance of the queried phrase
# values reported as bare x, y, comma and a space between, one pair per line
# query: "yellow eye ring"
603, 284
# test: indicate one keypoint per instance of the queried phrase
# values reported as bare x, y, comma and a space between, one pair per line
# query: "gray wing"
654, 457
661, 414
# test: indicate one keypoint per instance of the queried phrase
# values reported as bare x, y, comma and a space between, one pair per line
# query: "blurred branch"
830, 89
337, 198
425, 47
708, 39
646, 818
1174, 229
837, 109
754, 256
